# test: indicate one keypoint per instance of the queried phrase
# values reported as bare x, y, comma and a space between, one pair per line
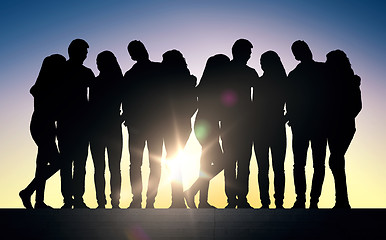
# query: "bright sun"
188, 161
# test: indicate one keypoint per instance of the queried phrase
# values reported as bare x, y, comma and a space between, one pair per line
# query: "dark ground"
143, 224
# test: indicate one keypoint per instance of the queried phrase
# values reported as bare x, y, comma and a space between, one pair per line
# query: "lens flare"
202, 129
229, 98
174, 166
137, 233
203, 174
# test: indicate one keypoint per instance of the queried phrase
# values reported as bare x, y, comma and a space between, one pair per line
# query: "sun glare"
174, 166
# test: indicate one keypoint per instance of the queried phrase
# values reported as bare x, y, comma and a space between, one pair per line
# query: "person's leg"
114, 152
338, 144
211, 163
136, 147
98, 156
175, 143
35, 185
172, 147
278, 151
244, 159
230, 169
207, 133
55, 161
318, 146
154, 145
300, 143
262, 156
216, 160
41, 163
204, 175
43, 133
42, 174
80, 158
66, 171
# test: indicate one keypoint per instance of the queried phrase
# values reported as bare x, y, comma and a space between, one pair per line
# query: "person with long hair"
345, 105
43, 128
106, 132
179, 87
206, 128
269, 100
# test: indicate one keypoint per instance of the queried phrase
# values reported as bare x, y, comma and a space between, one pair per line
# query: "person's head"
338, 59
241, 50
174, 58
137, 51
216, 64
270, 63
107, 62
51, 70
301, 51
77, 50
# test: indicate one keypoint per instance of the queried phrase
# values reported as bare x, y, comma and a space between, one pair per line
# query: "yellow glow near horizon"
358, 178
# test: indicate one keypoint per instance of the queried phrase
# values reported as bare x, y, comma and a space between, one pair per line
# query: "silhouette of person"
306, 110
269, 99
73, 125
43, 129
105, 102
179, 87
236, 124
207, 128
143, 111
345, 104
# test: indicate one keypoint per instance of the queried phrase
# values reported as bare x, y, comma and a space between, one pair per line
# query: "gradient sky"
32, 30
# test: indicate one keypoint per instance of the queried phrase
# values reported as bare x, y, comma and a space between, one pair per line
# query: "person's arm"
357, 99
288, 97
193, 94
125, 93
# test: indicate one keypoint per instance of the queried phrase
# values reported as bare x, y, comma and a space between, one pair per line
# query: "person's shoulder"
193, 80
356, 80
263, 77
249, 68
294, 71
320, 65
131, 71
156, 65
99, 78
252, 70
88, 71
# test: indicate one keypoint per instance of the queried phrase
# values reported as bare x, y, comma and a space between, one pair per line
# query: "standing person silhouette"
207, 129
269, 99
105, 103
180, 99
306, 107
236, 124
73, 124
43, 129
345, 104
143, 111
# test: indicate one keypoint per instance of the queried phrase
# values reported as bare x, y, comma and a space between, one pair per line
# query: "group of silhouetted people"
236, 109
